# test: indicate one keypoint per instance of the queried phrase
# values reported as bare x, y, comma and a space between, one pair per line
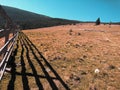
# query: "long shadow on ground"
27, 48
13, 66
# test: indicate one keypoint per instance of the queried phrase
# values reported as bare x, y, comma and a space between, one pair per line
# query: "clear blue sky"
83, 10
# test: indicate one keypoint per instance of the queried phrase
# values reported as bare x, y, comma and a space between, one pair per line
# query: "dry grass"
2, 42
73, 52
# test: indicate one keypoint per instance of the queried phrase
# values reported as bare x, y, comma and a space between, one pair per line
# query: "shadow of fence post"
38, 82
31, 45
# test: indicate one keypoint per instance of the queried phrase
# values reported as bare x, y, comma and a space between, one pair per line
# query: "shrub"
79, 33
70, 32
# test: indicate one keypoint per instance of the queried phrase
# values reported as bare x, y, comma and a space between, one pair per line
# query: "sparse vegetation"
70, 32
78, 33
74, 59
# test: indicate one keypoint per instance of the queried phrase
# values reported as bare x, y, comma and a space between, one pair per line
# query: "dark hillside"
28, 20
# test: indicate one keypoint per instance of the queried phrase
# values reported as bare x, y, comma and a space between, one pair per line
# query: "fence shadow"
31, 64
27, 48
12, 64
23, 71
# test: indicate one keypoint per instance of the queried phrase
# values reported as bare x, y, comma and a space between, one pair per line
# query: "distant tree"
98, 21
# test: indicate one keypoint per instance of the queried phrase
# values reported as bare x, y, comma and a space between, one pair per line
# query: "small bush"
79, 33
70, 32
111, 67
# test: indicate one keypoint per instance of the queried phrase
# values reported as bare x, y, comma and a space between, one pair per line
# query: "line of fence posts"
6, 49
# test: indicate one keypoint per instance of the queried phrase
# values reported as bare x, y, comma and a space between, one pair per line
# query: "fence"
6, 49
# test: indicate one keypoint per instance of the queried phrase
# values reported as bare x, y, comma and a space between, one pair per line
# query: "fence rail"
6, 50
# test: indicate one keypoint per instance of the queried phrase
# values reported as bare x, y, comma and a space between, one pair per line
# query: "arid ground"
69, 57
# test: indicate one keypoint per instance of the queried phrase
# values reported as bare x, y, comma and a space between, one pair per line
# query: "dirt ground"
75, 57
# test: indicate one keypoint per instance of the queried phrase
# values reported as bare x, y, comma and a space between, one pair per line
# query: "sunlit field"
68, 57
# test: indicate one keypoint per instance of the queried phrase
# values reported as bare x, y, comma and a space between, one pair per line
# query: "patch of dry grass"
74, 52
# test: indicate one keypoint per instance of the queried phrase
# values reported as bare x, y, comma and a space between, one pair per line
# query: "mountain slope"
29, 20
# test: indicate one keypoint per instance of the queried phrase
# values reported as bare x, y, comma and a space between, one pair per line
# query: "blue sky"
83, 10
